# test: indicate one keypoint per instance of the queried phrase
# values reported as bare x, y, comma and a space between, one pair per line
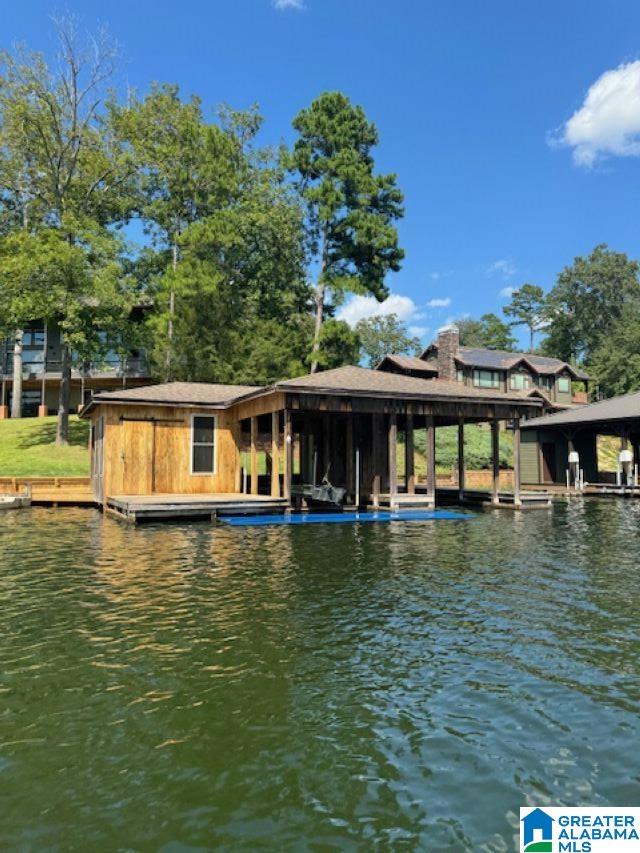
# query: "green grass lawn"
28, 449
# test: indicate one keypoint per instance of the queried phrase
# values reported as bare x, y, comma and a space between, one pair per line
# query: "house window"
460, 375
486, 378
33, 337
564, 384
546, 383
520, 381
203, 439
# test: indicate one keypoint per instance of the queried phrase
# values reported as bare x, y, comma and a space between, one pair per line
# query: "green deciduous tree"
528, 308
489, 332
588, 300
615, 363
71, 172
384, 335
350, 210
187, 168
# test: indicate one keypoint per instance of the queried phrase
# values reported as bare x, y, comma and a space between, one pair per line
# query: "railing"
133, 367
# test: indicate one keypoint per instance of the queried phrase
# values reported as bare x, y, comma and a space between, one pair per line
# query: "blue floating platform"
344, 517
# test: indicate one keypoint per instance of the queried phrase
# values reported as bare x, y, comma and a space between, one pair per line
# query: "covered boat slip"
562, 449
183, 448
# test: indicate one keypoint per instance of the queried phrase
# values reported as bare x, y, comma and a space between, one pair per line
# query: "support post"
375, 458
495, 456
461, 458
288, 455
431, 459
275, 456
393, 461
254, 456
326, 447
409, 455
350, 460
516, 462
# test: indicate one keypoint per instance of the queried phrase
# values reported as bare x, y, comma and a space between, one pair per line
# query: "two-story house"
42, 365
559, 384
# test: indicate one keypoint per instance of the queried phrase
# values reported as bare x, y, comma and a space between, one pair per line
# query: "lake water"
392, 686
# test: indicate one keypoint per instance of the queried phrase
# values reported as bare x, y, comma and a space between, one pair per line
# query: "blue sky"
467, 96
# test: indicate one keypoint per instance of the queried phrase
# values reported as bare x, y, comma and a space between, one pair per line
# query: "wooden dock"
165, 507
51, 491
480, 497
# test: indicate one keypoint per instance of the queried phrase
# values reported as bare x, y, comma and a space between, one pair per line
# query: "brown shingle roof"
180, 393
380, 383
410, 362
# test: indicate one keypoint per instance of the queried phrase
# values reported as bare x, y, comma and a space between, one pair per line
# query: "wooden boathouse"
559, 448
197, 449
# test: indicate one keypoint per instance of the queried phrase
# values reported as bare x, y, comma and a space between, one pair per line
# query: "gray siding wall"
529, 457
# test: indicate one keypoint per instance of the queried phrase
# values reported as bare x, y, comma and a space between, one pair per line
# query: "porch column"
431, 458
393, 460
350, 460
516, 462
375, 458
254, 455
461, 458
4, 411
275, 456
495, 455
288, 455
43, 411
409, 455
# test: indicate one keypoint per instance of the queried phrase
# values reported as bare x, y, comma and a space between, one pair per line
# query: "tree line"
246, 253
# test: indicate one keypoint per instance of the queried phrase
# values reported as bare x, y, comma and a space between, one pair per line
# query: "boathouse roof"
179, 393
349, 380
615, 409
362, 381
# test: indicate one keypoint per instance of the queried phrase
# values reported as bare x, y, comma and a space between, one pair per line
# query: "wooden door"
168, 461
137, 457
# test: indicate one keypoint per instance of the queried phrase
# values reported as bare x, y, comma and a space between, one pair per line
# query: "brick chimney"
448, 344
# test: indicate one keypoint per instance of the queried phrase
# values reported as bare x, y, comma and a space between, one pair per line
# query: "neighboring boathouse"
186, 441
566, 443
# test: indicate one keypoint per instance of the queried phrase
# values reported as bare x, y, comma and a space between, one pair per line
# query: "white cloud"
283, 5
436, 276
439, 303
418, 331
503, 266
361, 307
608, 122
507, 292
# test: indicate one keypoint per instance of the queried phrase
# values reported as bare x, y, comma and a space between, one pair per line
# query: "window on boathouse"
203, 436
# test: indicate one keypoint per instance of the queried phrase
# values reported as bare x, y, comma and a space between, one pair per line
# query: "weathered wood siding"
147, 450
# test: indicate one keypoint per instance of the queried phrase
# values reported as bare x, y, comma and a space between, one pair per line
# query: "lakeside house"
186, 439
42, 370
557, 383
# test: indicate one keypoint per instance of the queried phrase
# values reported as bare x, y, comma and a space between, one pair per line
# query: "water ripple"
394, 686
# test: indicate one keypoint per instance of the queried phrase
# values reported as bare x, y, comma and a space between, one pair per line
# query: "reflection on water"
395, 686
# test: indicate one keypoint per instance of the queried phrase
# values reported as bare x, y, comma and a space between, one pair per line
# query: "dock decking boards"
167, 506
